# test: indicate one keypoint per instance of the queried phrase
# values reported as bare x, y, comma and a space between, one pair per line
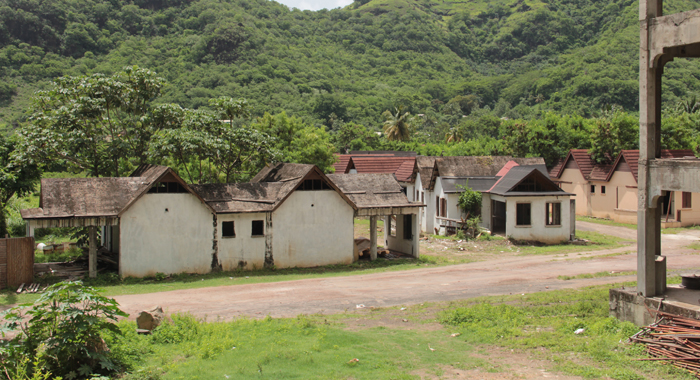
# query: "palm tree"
397, 126
453, 136
690, 105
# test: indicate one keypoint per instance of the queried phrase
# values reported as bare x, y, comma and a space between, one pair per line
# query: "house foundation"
627, 305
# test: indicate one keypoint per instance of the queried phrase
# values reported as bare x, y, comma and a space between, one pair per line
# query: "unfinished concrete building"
662, 38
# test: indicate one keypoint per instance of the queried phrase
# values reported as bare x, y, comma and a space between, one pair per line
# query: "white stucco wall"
399, 242
154, 240
486, 211
537, 230
313, 228
452, 199
427, 216
243, 251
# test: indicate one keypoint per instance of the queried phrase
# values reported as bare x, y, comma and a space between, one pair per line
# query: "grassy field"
608, 222
504, 334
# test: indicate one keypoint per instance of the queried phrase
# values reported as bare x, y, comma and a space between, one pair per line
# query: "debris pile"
672, 338
31, 288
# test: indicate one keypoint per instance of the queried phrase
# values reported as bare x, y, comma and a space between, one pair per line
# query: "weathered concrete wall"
313, 228
243, 251
626, 305
486, 211
167, 233
537, 230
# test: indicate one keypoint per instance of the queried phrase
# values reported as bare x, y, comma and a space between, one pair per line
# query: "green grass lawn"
390, 343
606, 222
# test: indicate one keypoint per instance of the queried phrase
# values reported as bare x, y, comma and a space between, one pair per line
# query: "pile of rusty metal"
674, 339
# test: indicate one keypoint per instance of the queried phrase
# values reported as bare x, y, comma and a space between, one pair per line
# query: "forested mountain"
516, 57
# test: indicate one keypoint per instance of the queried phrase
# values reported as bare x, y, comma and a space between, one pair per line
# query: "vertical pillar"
648, 215
92, 254
416, 234
372, 238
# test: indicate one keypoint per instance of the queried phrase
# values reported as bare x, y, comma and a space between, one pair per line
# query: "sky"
315, 5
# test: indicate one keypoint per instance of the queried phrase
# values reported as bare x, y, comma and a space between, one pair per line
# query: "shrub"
64, 329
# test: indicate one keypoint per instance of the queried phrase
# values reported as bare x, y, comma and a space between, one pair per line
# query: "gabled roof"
266, 191
372, 190
474, 167
508, 184
454, 185
98, 197
402, 167
424, 166
631, 157
342, 164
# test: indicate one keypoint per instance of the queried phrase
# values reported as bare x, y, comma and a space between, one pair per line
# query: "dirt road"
511, 275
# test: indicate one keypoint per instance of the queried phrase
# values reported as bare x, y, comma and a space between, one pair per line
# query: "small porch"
401, 229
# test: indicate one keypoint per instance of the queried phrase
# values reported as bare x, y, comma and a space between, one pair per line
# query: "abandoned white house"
288, 215
524, 204
153, 219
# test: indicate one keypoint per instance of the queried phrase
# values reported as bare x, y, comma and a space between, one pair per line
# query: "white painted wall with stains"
537, 230
313, 228
243, 251
167, 233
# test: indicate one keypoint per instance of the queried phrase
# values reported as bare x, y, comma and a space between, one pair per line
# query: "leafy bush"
63, 329
469, 202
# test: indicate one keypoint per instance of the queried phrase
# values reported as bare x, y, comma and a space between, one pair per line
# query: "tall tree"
397, 125
17, 176
98, 124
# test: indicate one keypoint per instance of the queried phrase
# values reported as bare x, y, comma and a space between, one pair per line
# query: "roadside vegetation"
563, 332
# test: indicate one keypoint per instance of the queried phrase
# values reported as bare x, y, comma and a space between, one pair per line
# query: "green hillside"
516, 57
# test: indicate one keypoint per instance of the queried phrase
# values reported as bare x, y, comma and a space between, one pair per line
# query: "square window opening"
522, 214
592, 189
553, 214
687, 200
258, 228
228, 230
408, 227
602, 189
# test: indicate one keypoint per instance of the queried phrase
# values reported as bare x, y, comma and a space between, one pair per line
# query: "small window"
258, 228
443, 207
437, 205
602, 189
408, 227
522, 214
687, 200
392, 225
422, 197
417, 195
227, 230
592, 189
553, 214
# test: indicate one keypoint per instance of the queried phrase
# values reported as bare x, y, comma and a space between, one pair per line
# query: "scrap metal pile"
672, 338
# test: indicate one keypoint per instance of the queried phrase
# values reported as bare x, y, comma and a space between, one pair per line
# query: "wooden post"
92, 256
372, 238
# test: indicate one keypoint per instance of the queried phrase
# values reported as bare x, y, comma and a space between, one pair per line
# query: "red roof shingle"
402, 167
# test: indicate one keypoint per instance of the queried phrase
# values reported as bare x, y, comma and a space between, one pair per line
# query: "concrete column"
648, 215
92, 255
372, 238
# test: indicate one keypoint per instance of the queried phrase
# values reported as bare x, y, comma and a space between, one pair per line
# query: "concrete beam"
384, 211
676, 30
673, 175
92, 253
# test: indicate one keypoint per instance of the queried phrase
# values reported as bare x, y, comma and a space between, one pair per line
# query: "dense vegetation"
445, 59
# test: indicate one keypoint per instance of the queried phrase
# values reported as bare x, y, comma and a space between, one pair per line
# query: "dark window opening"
592, 189
437, 205
602, 189
687, 200
422, 198
522, 214
314, 184
167, 187
258, 228
553, 214
404, 191
227, 229
443, 207
408, 227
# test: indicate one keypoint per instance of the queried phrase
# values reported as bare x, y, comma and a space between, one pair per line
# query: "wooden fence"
16, 261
